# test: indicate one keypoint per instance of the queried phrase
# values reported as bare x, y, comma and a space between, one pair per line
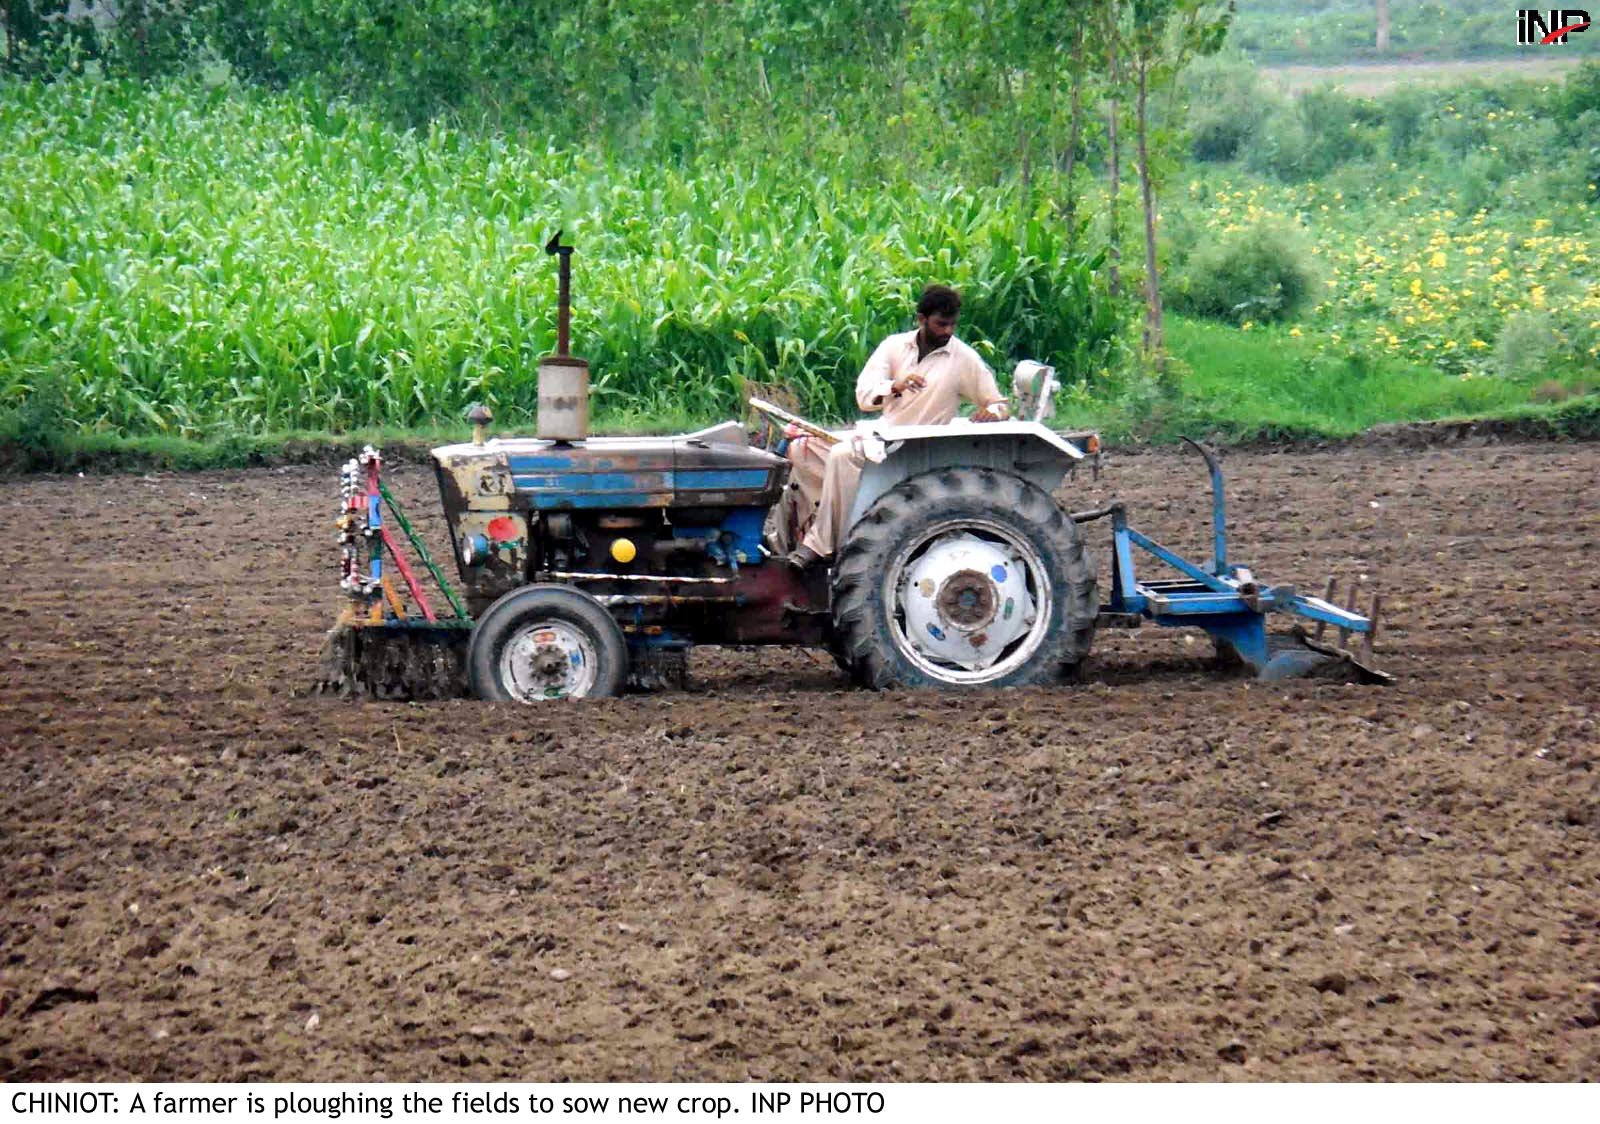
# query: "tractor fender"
1022, 448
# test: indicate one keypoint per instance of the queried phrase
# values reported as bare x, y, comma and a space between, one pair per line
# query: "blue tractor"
590, 563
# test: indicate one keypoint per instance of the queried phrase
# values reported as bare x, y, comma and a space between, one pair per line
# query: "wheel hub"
966, 601
548, 660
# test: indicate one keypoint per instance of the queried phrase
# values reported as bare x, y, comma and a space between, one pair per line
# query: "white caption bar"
499, 1103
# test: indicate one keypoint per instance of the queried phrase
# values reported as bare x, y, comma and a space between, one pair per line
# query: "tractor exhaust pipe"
563, 377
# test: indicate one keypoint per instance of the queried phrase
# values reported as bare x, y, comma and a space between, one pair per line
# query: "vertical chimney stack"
563, 378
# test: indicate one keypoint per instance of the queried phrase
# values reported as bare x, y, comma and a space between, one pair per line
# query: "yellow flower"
1541, 224
1416, 286
1294, 332
1477, 345
1438, 261
1247, 325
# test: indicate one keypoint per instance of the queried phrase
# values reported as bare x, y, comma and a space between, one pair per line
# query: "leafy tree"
1163, 35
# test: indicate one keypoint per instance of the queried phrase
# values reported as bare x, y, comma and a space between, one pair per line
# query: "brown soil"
1160, 873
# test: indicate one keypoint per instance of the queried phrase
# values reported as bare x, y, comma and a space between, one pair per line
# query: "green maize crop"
199, 261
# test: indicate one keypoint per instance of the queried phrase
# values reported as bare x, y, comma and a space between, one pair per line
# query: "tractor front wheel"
963, 578
544, 642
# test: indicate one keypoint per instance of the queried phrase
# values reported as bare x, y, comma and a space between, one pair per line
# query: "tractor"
589, 564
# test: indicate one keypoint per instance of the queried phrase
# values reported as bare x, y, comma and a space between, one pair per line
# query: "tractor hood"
711, 468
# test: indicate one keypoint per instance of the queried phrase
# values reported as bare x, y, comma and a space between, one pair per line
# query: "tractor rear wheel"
963, 578
545, 642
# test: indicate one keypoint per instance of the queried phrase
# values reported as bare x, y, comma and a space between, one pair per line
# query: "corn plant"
200, 260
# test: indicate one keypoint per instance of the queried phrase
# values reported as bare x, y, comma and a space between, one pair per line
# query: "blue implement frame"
1221, 598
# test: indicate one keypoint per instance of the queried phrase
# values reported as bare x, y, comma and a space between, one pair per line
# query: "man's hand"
911, 381
993, 412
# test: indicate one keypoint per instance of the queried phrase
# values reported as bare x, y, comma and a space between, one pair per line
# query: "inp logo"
1536, 26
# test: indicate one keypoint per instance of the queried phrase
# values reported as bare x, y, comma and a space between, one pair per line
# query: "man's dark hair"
939, 300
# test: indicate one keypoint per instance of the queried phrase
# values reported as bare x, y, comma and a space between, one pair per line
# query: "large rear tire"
963, 578
546, 642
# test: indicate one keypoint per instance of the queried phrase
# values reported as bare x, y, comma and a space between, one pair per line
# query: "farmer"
918, 377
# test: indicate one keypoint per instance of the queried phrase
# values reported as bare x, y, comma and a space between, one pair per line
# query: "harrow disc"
394, 661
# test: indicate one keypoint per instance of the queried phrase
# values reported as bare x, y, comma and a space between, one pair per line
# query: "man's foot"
803, 558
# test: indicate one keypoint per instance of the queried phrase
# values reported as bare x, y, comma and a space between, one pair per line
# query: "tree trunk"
1071, 206
1114, 231
1153, 343
761, 80
14, 32
900, 104
1113, 212
1011, 93
1025, 143
1383, 26
137, 16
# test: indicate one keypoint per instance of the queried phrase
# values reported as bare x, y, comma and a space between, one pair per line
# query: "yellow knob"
623, 550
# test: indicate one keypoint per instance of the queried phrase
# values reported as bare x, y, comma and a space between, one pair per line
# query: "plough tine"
1350, 606
1372, 628
1327, 595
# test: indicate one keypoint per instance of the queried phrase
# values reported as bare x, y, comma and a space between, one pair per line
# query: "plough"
1227, 602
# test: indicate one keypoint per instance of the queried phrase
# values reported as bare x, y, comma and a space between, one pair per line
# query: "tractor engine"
666, 532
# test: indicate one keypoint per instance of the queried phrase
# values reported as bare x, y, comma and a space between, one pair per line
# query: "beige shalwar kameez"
954, 373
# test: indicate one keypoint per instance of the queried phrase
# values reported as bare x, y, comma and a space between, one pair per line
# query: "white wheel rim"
969, 601
546, 660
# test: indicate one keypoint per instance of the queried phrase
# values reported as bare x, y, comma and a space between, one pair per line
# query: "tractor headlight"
475, 550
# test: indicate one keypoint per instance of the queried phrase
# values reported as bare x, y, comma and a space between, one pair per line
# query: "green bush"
1406, 112
34, 433
1583, 135
1264, 272
1478, 177
1580, 93
1339, 129
1527, 346
1553, 346
1228, 104
1318, 132
1278, 147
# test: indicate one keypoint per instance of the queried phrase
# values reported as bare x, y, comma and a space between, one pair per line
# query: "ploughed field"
1158, 873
